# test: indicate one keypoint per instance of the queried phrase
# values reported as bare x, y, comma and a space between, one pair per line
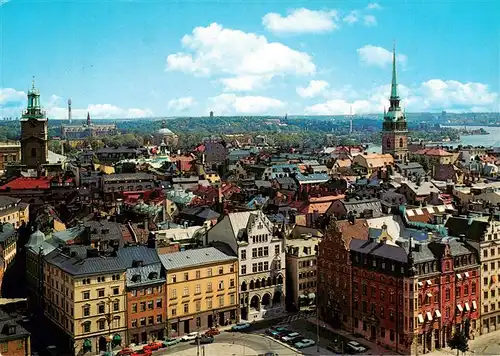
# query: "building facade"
202, 290
14, 339
395, 126
9, 153
261, 255
13, 211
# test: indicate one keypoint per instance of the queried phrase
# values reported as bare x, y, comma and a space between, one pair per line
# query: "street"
488, 344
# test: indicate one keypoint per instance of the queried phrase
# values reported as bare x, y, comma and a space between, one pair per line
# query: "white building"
261, 255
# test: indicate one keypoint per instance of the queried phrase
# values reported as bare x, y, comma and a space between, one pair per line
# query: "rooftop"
191, 258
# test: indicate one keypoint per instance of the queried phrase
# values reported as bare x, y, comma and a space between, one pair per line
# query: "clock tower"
395, 126
34, 132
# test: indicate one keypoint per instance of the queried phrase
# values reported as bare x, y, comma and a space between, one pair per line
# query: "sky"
124, 59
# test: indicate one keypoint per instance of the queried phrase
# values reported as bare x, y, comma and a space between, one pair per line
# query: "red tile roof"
434, 152
23, 183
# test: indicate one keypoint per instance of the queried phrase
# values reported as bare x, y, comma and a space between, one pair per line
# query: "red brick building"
334, 271
14, 339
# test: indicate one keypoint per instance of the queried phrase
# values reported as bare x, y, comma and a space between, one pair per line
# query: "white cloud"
301, 21
12, 102
3, 2
315, 88
379, 56
245, 82
432, 95
373, 6
369, 20
237, 56
181, 104
225, 104
351, 18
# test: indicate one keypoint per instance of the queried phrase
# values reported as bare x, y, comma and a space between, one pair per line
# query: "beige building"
13, 211
202, 289
9, 153
301, 270
372, 162
85, 297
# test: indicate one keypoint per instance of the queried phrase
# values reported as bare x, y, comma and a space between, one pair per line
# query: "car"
291, 336
143, 352
355, 347
206, 339
274, 331
278, 334
240, 326
171, 342
334, 348
154, 346
212, 332
268, 354
190, 336
125, 352
304, 343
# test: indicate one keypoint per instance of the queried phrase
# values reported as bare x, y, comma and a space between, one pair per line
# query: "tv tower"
69, 111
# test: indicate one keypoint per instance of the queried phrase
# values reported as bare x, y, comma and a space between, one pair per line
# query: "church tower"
34, 132
395, 126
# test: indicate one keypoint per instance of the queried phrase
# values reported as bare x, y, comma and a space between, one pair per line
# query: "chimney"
430, 236
462, 237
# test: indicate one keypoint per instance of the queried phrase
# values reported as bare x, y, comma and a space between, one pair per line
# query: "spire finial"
394, 84
33, 83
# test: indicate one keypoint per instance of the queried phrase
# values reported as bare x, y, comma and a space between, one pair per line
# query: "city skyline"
142, 59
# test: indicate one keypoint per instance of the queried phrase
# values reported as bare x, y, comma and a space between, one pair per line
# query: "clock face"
33, 122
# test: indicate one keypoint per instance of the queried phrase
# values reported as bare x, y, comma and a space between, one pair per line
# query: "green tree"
459, 342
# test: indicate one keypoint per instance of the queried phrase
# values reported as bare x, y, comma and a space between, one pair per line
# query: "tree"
459, 342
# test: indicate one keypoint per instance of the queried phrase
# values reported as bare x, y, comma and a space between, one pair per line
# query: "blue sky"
165, 58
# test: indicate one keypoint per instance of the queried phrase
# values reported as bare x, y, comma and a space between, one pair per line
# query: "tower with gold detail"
395, 126
34, 132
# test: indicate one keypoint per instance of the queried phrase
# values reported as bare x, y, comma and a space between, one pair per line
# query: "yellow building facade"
84, 295
202, 290
13, 211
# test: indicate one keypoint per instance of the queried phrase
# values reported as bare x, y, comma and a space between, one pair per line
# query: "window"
232, 299
209, 272
277, 249
447, 294
173, 278
198, 289
100, 308
231, 283
173, 311
143, 306
209, 286
198, 305
221, 270
134, 308
86, 310
151, 320
185, 293
243, 269
221, 285
243, 255
86, 295
116, 305
159, 318
186, 308
209, 303
100, 293
33, 152
186, 276
173, 293
150, 290
101, 324
116, 290
254, 267
473, 288
151, 305
221, 301
159, 303
198, 274
86, 327
142, 321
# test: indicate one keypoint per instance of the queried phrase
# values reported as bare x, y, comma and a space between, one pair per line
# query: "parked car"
355, 347
334, 348
278, 334
275, 331
212, 332
240, 326
154, 346
170, 342
143, 352
125, 352
190, 336
206, 339
304, 343
291, 336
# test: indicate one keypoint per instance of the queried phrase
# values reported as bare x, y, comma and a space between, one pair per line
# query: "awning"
420, 284
466, 274
87, 343
312, 295
460, 307
428, 282
420, 318
474, 305
467, 306
429, 316
429, 295
438, 314
459, 276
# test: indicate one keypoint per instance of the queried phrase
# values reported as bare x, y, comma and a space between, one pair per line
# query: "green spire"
394, 85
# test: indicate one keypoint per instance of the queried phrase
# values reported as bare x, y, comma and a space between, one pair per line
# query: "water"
491, 140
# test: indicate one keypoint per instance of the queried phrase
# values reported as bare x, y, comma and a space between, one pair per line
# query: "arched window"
388, 143
33, 152
401, 142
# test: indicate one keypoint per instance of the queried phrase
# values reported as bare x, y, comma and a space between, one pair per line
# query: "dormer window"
153, 275
136, 278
